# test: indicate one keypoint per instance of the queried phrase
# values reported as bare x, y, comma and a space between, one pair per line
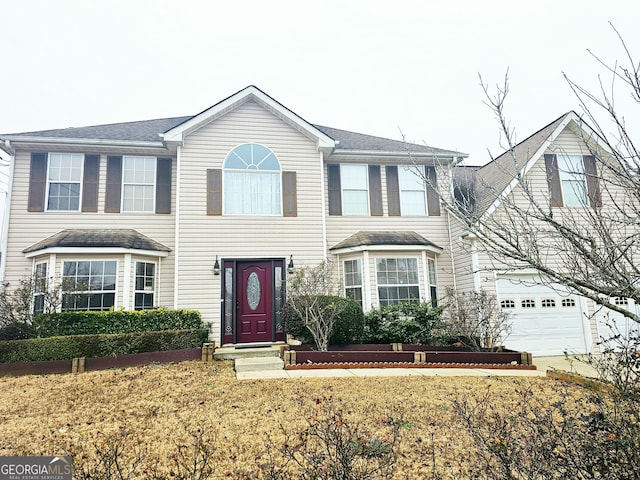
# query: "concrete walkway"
543, 364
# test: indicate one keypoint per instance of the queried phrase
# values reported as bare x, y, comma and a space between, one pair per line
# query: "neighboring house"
558, 164
210, 211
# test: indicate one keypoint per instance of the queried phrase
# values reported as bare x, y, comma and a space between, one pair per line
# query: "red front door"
254, 294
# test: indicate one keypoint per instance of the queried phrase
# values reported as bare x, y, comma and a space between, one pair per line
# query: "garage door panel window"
548, 303
397, 280
528, 303
508, 304
568, 302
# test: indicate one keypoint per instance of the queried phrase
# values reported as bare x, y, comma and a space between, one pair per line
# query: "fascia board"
177, 134
25, 139
528, 165
95, 251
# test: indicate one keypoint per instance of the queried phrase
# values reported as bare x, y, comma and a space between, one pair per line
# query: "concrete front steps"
253, 358
258, 364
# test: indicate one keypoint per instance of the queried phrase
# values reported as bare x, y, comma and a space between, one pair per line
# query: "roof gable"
250, 93
500, 176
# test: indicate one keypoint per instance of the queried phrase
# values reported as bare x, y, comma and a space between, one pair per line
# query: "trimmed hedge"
76, 346
413, 323
118, 321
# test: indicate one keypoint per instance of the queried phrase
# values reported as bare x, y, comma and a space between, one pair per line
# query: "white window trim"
262, 172
352, 287
93, 259
343, 189
80, 182
155, 282
412, 170
417, 259
566, 176
154, 185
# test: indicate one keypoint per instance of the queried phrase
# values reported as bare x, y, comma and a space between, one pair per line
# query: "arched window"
252, 181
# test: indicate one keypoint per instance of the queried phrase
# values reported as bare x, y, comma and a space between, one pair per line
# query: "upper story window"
64, 181
252, 181
572, 180
139, 184
355, 189
413, 198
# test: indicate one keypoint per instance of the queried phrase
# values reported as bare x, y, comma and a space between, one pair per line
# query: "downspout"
475, 263
176, 266
7, 207
453, 262
325, 247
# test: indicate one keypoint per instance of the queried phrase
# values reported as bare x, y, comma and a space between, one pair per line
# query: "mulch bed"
351, 365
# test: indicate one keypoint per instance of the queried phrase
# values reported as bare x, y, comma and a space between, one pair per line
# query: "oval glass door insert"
253, 291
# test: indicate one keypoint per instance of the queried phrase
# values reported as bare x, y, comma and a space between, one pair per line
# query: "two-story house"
210, 211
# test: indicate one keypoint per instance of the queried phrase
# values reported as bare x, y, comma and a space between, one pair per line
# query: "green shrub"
119, 321
349, 327
75, 346
405, 323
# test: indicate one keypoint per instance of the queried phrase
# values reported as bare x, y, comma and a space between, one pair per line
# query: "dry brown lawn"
156, 408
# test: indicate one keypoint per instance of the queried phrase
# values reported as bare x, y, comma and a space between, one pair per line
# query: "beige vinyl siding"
433, 228
569, 143
27, 228
203, 236
461, 257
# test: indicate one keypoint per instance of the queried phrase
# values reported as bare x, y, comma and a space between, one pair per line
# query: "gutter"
80, 141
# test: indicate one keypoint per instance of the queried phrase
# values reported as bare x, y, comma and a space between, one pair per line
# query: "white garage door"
545, 320
611, 323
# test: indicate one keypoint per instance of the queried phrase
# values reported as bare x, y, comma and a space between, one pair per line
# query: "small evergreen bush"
417, 323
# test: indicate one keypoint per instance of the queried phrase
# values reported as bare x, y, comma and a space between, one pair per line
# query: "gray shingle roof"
494, 177
358, 141
150, 130
122, 238
363, 238
144, 131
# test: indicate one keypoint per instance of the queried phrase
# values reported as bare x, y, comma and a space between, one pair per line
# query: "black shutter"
375, 190
553, 179
393, 191
335, 190
90, 183
593, 183
37, 182
163, 185
214, 191
289, 196
114, 184
433, 199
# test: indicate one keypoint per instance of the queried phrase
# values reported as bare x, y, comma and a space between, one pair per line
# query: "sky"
374, 67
